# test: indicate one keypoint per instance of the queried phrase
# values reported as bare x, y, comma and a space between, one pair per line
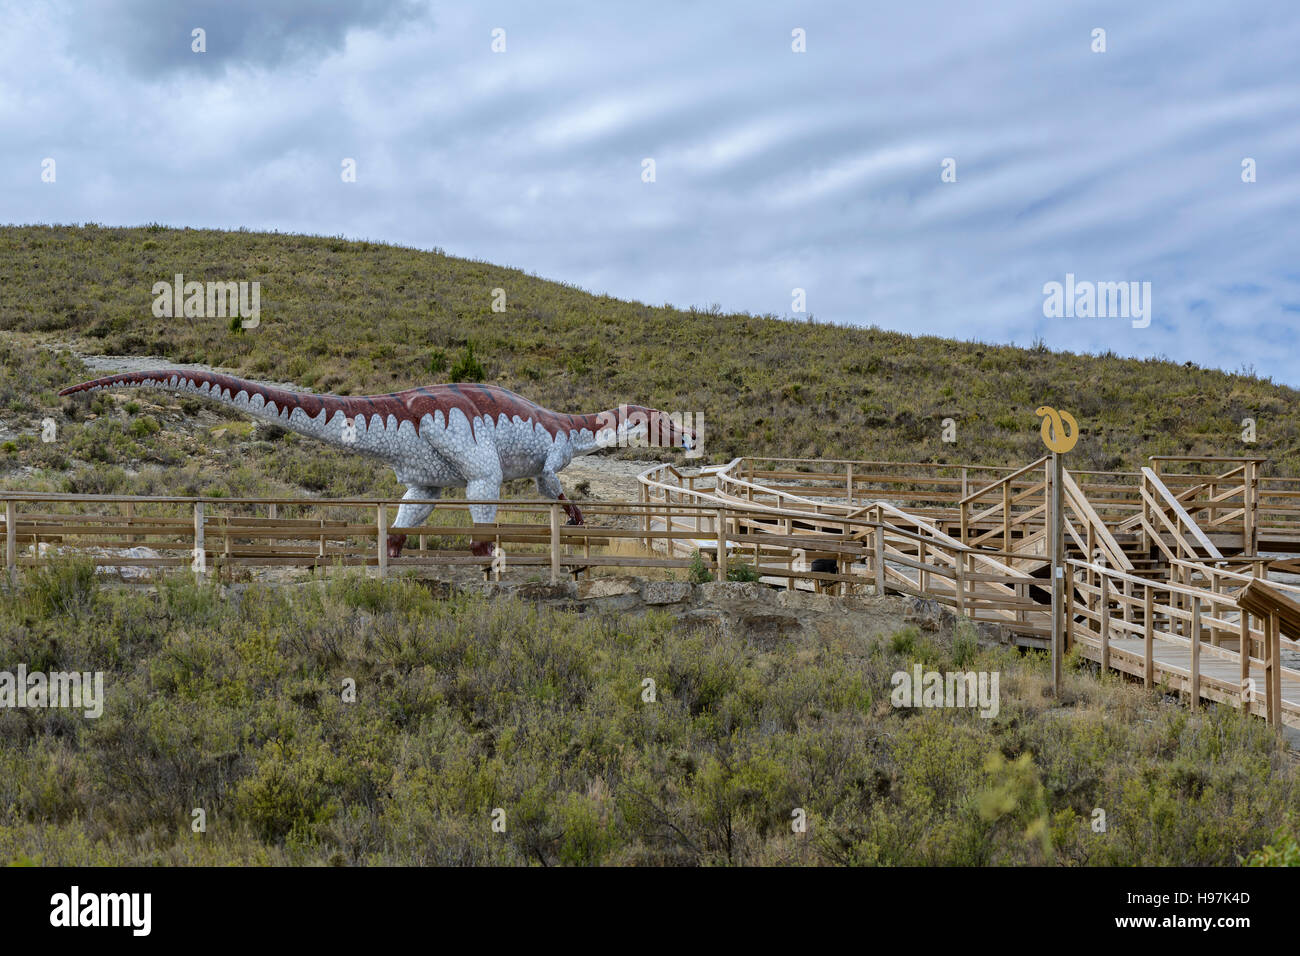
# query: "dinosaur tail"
323, 417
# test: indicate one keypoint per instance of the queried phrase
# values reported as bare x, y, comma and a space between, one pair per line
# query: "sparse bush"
741, 572
467, 367
1282, 851
144, 426
62, 587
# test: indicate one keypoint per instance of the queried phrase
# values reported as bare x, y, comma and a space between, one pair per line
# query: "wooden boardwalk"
1156, 560
1181, 628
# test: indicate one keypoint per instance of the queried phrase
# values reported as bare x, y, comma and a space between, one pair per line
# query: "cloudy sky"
773, 169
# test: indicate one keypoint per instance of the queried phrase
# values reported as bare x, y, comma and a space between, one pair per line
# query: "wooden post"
1105, 623
1275, 670
1250, 501
1006, 516
555, 544
1144, 537
850, 484
880, 553
721, 528
645, 517
1214, 609
841, 562
200, 562
381, 537
1243, 649
1196, 653
1091, 556
1069, 610
11, 536
1148, 636
959, 573
1270, 665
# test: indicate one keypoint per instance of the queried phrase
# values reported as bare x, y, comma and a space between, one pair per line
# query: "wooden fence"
940, 536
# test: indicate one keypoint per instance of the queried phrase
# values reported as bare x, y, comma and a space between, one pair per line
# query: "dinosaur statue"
440, 436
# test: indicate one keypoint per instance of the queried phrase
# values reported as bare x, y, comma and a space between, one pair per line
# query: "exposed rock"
733, 591
768, 630
536, 591
928, 615
666, 592
607, 587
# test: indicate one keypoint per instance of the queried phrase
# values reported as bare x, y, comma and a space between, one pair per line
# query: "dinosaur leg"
483, 488
410, 516
548, 486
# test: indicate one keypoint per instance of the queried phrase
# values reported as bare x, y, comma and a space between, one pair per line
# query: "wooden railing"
1009, 513
1194, 640
878, 544
1224, 503
1190, 631
1013, 516
1167, 525
1220, 500
221, 534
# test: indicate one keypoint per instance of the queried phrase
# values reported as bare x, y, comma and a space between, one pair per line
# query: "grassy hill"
358, 317
227, 699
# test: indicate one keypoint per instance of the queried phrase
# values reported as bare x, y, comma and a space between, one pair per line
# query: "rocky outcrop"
764, 616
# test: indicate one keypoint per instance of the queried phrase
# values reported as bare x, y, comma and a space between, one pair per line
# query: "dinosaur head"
637, 426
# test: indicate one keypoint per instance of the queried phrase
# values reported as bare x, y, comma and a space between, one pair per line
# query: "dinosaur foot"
575, 516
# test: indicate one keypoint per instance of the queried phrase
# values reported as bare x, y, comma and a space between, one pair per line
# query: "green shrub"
1282, 851
699, 572
144, 426
741, 572
467, 367
62, 587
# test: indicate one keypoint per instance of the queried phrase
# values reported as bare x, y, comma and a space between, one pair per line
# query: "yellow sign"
1059, 436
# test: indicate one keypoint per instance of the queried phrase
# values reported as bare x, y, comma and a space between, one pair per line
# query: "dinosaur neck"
593, 432
609, 429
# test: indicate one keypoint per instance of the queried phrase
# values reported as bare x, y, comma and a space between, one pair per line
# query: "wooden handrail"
1003, 480
1114, 553
1171, 503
